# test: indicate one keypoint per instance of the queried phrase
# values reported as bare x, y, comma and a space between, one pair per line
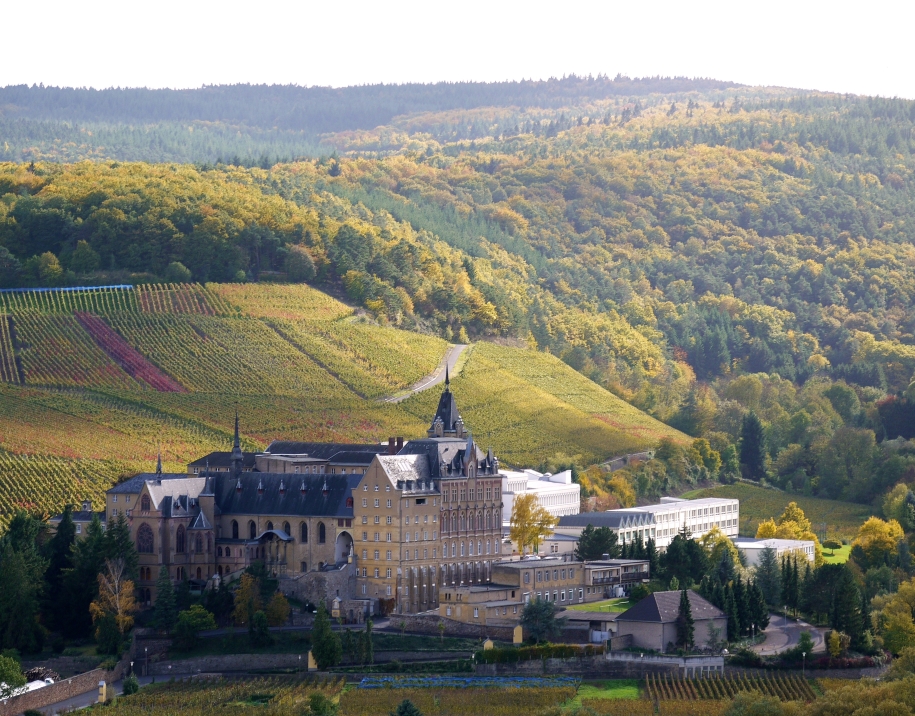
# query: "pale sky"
860, 48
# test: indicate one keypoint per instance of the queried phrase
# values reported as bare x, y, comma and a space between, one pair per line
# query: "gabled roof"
179, 490
322, 451
223, 459
134, 484
450, 452
405, 467
201, 522
662, 607
260, 493
447, 411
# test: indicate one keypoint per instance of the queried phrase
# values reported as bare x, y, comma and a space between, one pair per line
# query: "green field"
297, 364
607, 605
840, 557
614, 689
757, 504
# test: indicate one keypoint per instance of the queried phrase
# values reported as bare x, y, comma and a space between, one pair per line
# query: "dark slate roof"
664, 607
323, 451
80, 516
134, 484
613, 518
292, 501
450, 452
447, 410
223, 459
352, 457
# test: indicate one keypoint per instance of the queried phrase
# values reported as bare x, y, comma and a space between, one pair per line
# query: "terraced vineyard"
781, 686
112, 374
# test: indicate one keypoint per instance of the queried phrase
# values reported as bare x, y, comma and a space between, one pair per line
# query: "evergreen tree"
594, 543
794, 593
22, 568
57, 551
785, 597
81, 581
325, 644
539, 620
768, 576
406, 708
846, 611
118, 544
742, 602
685, 625
733, 618
166, 610
752, 447
759, 613
651, 554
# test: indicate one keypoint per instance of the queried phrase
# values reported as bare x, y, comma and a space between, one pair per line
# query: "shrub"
131, 685
190, 624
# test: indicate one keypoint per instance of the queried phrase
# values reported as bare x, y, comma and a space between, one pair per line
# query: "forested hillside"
737, 262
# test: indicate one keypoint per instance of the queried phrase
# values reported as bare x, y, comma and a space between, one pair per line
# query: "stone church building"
371, 527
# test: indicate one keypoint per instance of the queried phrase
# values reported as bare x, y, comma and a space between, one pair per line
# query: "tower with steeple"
447, 422
237, 458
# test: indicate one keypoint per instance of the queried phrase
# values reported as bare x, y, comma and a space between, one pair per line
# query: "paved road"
781, 636
91, 697
450, 359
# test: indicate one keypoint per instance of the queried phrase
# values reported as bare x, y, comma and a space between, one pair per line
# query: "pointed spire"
237, 457
237, 443
447, 378
159, 463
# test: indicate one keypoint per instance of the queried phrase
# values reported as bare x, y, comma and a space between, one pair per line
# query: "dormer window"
349, 501
238, 485
282, 488
260, 487
302, 489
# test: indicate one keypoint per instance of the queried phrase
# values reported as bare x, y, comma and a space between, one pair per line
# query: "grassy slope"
298, 365
758, 504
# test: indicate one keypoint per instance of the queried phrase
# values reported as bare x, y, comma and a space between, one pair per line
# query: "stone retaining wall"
64, 689
428, 624
257, 662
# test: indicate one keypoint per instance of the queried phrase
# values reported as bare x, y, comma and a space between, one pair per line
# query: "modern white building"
557, 493
752, 548
662, 521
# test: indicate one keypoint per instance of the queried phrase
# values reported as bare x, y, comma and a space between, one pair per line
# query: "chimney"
392, 446
399, 444
605, 556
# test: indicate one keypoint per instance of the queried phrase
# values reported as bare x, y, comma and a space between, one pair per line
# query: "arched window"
219, 554
488, 519
480, 520
322, 533
304, 531
145, 539
198, 543
234, 529
349, 501
199, 573
463, 522
178, 574
252, 530
209, 543
144, 503
286, 529
454, 522
269, 525
471, 521
180, 547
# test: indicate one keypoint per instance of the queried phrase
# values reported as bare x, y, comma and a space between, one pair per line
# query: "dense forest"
738, 262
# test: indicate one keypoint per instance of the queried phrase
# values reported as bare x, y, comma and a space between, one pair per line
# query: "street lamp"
804, 664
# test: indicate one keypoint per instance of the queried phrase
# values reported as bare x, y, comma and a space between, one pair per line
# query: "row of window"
471, 494
463, 521
303, 531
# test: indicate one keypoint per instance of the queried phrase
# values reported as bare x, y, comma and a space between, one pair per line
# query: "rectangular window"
563, 574
447, 611
376, 488
115, 498
376, 554
365, 536
364, 573
434, 553
377, 536
364, 588
387, 573
389, 520
539, 576
79, 529
388, 555
476, 613
420, 501
365, 554
377, 573
389, 504
377, 503
389, 536
406, 520
365, 502
377, 519
365, 519
463, 495
388, 590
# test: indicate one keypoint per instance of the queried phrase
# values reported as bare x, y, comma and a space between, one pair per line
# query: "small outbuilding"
652, 623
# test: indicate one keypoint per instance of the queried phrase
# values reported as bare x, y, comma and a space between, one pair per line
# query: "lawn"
757, 504
840, 557
616, 689
607, 605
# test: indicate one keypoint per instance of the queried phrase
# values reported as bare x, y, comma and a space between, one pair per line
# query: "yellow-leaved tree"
716, 543
115, 596
878, 539
531, 522
247, 599
793, 524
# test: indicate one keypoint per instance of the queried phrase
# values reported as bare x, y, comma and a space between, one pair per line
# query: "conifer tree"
166, 609
742, 602
685, 624
768, 576
752, 447
731, 611
325, 644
